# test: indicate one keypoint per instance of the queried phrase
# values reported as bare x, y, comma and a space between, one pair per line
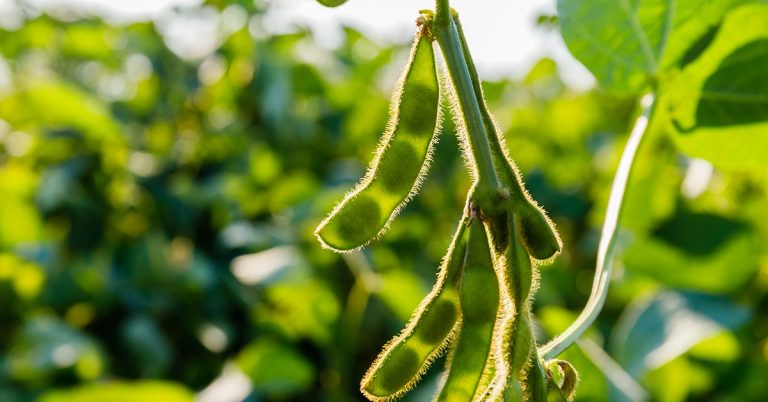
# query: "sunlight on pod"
454, 110
402, 157
540, 237
405, 358
537, 233
479, 300
533, 379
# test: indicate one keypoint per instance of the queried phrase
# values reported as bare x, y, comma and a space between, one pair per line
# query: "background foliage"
156, 218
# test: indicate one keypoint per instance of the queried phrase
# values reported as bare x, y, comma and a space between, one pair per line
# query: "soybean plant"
479, 308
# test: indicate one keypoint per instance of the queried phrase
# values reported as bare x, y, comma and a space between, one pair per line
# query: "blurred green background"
156, 218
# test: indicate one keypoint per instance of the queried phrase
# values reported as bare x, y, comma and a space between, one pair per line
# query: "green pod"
516, 361
405, 358
331, 3
401, 161
539, 235
479, 295
518, 364
533, 380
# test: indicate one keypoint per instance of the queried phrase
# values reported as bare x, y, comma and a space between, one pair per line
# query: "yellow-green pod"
537, 232
405, 358
402, 158
479, 295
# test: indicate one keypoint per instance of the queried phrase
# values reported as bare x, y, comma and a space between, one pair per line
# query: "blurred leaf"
275, 368
401, 291
88, 41
652, 332
672, 380
697, 251
147, 345
46, 347
19, 222
303, 308
723, 347
138, 391
60, 104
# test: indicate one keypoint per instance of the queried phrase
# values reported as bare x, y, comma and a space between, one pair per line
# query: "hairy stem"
492, 136
608, 236
447, 37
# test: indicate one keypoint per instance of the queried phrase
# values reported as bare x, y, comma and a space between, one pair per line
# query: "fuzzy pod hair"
516, 349
539, 235
428, 333
454, 108
401, 160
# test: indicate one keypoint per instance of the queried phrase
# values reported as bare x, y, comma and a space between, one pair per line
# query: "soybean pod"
538, 234
405, 358
479, 296
402, 158
519, 371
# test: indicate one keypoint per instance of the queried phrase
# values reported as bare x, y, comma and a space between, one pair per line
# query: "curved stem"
447, 37
608, 236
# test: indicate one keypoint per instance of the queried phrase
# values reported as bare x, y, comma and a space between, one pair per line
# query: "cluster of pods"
479, 307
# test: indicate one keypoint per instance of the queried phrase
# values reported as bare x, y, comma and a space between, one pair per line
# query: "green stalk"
491, 134
488, 184
608, 236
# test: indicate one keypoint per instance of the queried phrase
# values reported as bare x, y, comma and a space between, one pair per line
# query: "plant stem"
492, 136
608, 236
488, 184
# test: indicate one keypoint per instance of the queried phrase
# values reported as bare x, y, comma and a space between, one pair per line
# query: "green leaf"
301, 308
275, 368
719, 103
140, 391
627, 44
697, 251
60, 104
401, 291
651, 333
46, 347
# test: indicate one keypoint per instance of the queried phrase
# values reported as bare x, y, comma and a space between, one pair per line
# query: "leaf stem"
446, 34
608, 237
